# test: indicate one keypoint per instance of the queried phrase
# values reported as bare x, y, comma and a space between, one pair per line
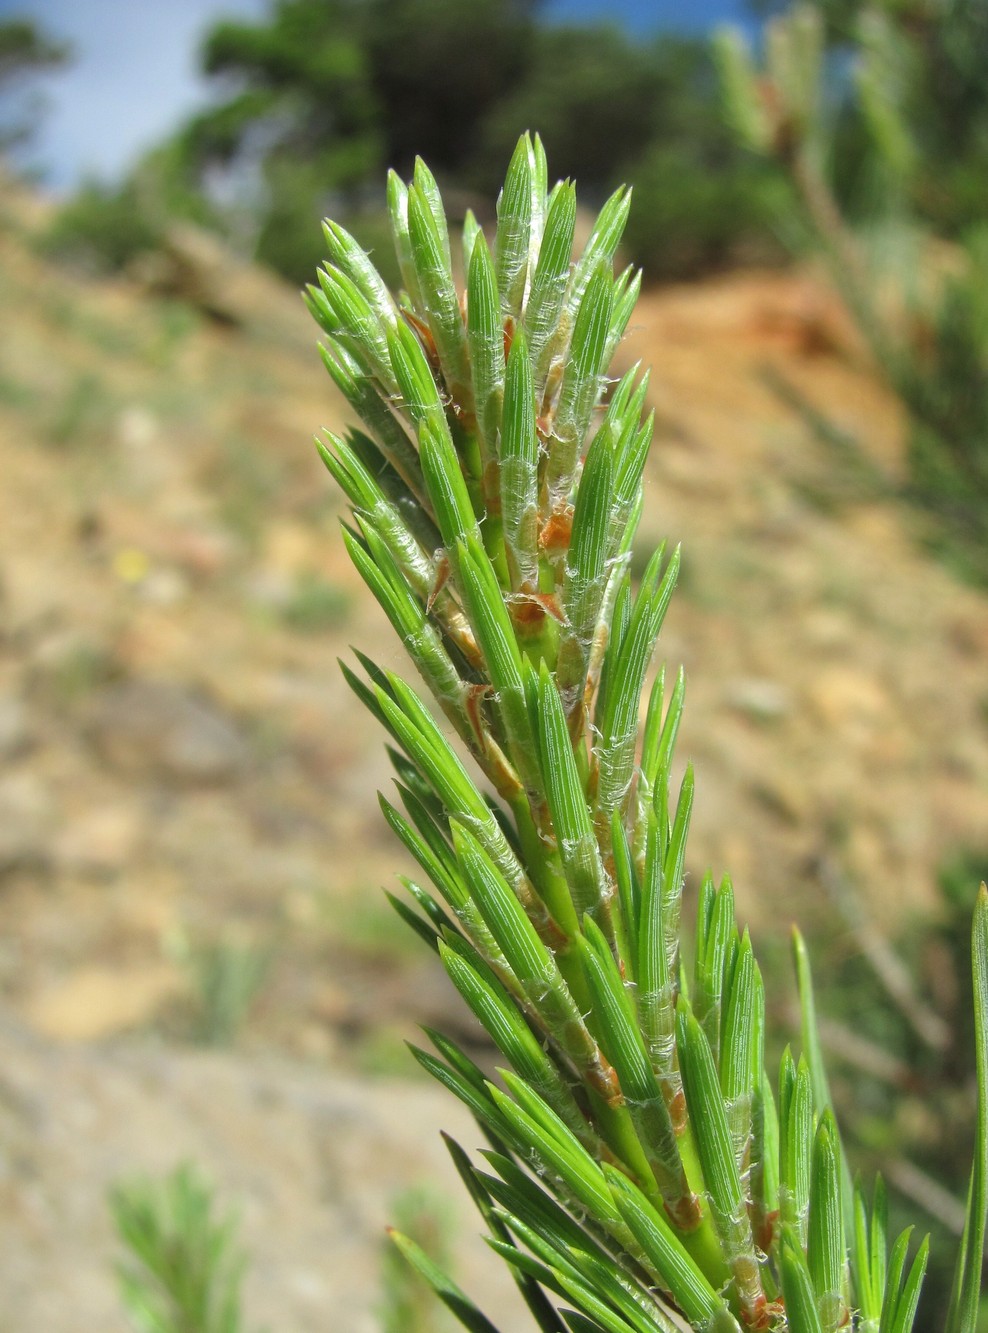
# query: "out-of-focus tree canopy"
324, 95
25, 49
357, 84
316, 100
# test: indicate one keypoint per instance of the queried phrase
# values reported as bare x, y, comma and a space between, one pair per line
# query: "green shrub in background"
927, 331
697, 211
105, 226
102, 228
645, 1172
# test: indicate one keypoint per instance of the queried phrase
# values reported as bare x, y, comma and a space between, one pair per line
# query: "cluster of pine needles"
644, 1172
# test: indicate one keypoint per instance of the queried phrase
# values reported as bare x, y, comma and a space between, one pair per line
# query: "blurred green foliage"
225, 978
906, 1093
25, 50
101, 228
183, 1266
939, 68
25, 47
944, 383
321, 96
315, 605
872, 109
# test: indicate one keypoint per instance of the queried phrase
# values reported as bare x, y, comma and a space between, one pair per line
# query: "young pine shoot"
645, 1171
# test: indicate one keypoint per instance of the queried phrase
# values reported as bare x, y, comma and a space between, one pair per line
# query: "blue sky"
647, 15
134, 73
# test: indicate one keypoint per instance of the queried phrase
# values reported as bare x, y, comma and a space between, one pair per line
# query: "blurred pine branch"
923, 315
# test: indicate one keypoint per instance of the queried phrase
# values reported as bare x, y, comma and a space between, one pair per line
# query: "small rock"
26, 817
97, 1001
164, 587
969, 633
100, 842
828, 628
142, 726
136, 427
194, 267
291, 548
786, 799
201, 552
764, 700
846, 698
268, 590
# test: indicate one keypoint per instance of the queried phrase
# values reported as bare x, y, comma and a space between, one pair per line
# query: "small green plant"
225, 979
644, 1171
928, 338
183, 1266
81, 413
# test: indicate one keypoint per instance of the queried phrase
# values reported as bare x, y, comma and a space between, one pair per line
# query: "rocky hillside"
190, 847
